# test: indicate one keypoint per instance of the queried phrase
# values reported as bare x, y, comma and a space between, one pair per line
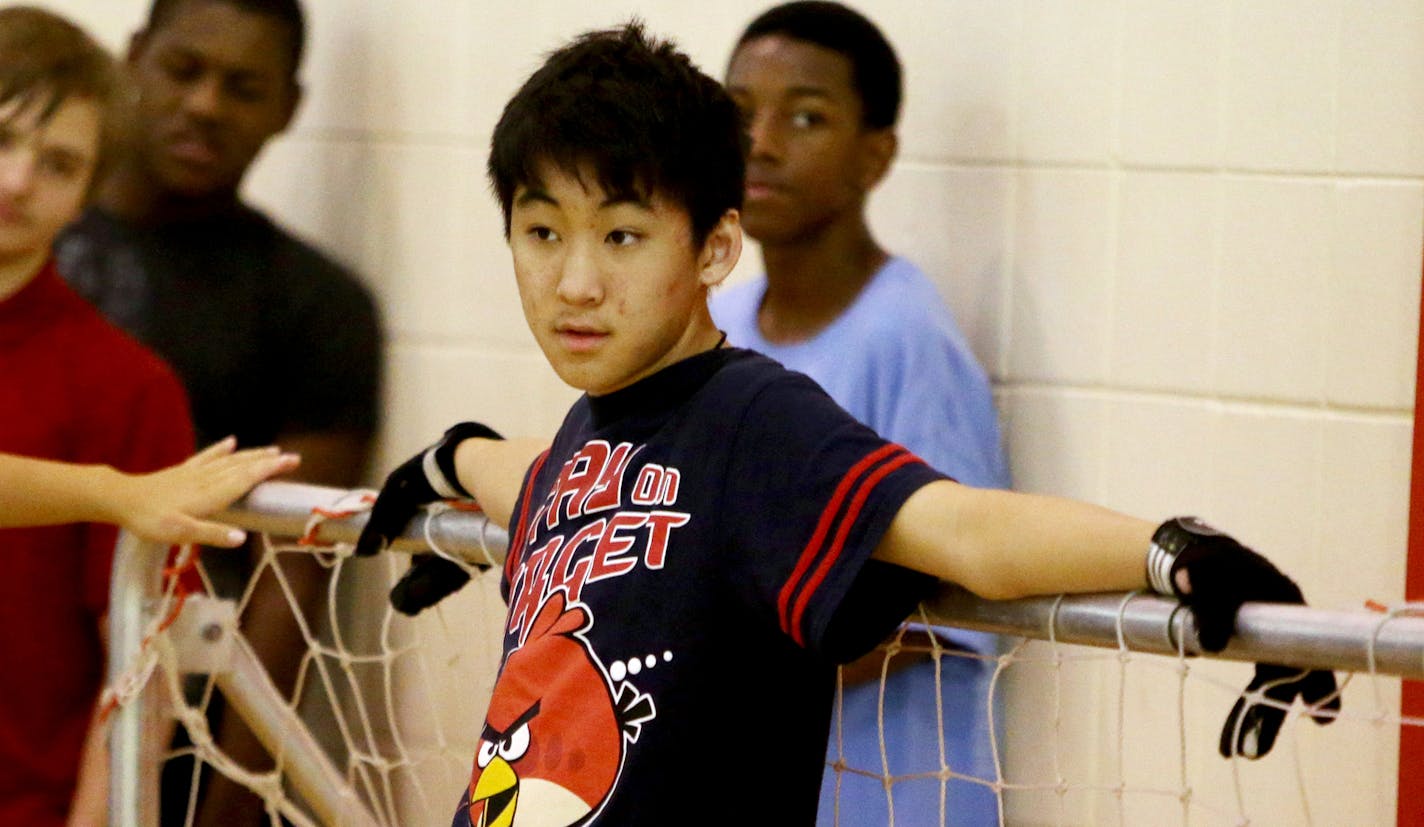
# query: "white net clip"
203, 634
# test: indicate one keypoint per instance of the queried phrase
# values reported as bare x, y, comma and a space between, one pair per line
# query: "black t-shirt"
268, 335
689, 561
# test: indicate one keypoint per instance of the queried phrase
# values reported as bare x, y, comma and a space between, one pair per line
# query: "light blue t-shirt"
895, 360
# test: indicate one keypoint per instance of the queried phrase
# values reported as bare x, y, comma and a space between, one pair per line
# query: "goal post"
1378, 641
155, 636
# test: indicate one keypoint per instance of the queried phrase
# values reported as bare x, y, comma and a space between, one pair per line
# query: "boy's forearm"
42, 492
492, 470
1002, 544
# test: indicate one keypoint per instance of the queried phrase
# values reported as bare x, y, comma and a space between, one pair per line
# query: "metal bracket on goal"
204, 633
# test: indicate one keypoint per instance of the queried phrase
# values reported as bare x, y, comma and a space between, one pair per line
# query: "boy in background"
819, 88
85, 413
273, 340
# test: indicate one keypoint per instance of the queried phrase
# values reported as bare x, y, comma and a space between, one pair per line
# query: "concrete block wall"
1185, 238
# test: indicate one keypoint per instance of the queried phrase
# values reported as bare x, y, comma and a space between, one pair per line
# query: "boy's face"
811, 159
613, 288
45, 167
215, 83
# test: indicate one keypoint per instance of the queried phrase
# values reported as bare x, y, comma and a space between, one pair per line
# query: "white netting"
1089, 736
1096, 736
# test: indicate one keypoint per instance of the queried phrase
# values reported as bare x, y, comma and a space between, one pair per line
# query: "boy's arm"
492, 470
470, 461
165, 506
1003, 544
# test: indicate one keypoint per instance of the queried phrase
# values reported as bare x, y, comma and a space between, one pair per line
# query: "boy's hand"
424, 478
168, 506
1213, 574
430, 579
1251, 727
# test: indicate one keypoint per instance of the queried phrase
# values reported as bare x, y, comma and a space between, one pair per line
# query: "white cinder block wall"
1184, 237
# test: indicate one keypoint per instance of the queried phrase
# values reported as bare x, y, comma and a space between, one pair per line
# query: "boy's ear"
878, 148
721, 250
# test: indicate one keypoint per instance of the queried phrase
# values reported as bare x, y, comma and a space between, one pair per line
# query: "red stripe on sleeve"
823, 525
838, 545
516, 543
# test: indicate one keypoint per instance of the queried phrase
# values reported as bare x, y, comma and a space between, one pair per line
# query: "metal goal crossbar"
1377, 641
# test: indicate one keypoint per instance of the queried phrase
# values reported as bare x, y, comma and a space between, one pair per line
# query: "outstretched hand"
167, 506
1213, 574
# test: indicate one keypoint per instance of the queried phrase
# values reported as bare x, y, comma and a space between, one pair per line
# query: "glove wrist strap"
1169, 540
1159, 567
448, 487
438, 462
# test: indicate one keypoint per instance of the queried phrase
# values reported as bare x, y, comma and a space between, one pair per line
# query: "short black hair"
287, 12
634, 111
875, 70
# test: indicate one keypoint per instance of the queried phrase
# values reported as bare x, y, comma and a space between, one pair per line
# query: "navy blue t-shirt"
688, 563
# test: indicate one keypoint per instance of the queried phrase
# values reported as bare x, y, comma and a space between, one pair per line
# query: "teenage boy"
170, 252
77, 391
273, 340
819, 88
709, 534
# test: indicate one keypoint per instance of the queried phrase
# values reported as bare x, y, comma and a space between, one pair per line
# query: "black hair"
287, 12
635, 112
875, 70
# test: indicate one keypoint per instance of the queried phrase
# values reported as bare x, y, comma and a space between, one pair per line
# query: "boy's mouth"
579, 338
193, 148
757, 189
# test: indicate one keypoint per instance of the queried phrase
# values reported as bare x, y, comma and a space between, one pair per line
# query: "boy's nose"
579, 281
765, 137
204, 97
17, 173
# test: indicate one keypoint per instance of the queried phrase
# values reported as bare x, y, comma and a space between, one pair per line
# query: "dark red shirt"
74, 388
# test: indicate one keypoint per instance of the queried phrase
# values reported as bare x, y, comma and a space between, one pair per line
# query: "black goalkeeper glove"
1221, 574
424, 478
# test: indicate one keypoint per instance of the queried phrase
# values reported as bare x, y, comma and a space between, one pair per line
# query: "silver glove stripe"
1159, 568
436, 477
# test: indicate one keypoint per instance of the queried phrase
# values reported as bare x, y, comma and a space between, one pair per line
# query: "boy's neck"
17, 272
130, 194
811, 282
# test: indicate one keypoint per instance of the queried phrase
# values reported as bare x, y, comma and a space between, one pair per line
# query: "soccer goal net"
1103, 709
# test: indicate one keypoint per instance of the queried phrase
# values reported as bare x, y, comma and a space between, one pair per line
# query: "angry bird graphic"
555, 735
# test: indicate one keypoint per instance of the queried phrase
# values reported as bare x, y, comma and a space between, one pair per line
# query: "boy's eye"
805, 119
60, 164
542, 233
622, 238
179, 68
247, 91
